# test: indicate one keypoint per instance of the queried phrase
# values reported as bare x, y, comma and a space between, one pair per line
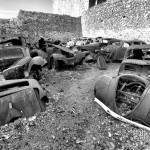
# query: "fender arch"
37, 61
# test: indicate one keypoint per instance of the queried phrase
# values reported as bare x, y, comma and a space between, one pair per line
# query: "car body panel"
136, 66
107, 84
102, 87
20, 98
71, 60
65, 55
14, 66
115, 52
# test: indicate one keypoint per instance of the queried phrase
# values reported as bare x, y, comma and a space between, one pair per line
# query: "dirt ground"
72, 120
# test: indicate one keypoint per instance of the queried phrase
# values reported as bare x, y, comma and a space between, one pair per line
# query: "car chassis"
129, 92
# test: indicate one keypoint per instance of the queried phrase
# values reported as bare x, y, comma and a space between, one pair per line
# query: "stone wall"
36, 24
125, 19
8, 26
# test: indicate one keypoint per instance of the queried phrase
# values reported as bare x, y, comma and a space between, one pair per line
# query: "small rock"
111, 145
53, 136
109, 134
94, 138
88, 131
6, 136
80, 141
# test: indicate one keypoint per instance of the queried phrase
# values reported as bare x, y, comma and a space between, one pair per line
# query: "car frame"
21, 98
22, 66
129, 90
61, 56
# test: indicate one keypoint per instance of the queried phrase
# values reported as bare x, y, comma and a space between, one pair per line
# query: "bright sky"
10, 8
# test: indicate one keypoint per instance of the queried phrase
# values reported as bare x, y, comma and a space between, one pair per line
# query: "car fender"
105, 91
40, 53
38, 61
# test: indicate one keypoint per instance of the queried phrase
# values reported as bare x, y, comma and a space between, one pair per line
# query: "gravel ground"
72, 120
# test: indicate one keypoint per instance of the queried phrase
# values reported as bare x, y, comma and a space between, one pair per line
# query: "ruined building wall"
125, 19
36, 24
54, 26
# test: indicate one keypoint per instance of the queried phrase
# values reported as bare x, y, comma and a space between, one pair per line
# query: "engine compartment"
128, 94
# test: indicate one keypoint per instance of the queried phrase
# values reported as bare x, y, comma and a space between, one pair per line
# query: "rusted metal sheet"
127, 95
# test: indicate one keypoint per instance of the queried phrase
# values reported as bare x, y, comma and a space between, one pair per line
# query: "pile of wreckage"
126, 96
129, 92
21, 96
77, 51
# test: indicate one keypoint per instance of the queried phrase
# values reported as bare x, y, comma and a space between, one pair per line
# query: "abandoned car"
111, 49
61, 56
129, 91
20, 98
16, 62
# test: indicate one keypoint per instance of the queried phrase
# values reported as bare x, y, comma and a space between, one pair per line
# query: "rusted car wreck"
16, 62
129, 92
20, 99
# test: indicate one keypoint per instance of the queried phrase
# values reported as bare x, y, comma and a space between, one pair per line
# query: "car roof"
145, 46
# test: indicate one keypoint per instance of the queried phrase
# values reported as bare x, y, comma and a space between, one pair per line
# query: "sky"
10, 8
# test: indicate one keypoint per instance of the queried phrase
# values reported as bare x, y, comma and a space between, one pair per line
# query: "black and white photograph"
74, 74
